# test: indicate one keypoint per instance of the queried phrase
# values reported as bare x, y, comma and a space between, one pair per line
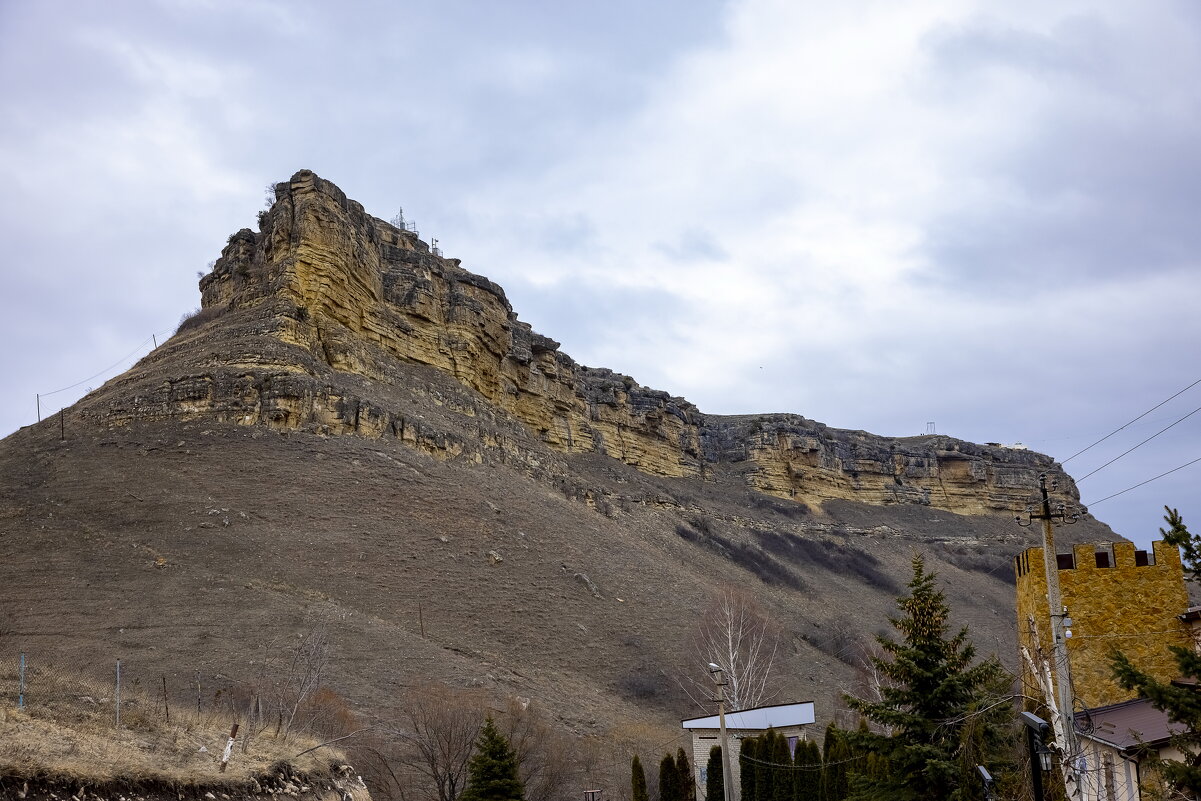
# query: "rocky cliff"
342, 291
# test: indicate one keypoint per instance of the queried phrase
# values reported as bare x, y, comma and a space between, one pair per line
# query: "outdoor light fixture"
1044, 757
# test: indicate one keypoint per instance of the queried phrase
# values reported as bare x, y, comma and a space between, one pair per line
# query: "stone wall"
1128, 607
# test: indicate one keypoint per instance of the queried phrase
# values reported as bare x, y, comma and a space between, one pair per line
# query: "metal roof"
1128, 724
763, 717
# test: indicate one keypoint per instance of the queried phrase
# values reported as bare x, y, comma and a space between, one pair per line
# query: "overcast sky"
984, 217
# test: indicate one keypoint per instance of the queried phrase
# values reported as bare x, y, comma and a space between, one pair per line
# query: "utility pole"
1059, 634
727, 779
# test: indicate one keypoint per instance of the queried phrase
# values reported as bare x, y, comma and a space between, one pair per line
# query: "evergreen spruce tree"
715, 788
938, 705
492, 771
638, 781
686, 777
669, 780
807, 778
1180, 700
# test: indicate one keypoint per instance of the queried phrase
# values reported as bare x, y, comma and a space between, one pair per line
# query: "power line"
1135, 420
1141, 444
120, 361
1148, 481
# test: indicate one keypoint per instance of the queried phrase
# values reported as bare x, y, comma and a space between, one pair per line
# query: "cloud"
876, 215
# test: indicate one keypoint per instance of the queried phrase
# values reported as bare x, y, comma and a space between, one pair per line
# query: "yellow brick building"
1118, 598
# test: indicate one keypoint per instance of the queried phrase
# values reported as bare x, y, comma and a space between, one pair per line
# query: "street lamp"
727, 780
990, 790
1040, 755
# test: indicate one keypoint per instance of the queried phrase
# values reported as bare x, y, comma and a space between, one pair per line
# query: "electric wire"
1135, 420
117, 363
815, 766
1141, 444
1148, 481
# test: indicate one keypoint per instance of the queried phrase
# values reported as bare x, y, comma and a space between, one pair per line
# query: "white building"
790, 720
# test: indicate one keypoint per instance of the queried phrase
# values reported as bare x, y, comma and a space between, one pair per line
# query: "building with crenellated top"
1119, 598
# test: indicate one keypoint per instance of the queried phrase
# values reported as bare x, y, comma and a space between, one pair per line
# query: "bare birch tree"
737, 636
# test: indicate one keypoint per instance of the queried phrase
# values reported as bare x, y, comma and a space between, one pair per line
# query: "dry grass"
73, 736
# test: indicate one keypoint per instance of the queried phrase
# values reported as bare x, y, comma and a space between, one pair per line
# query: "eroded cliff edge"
346, 295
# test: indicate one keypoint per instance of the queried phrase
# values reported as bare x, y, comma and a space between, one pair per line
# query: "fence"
120, 697
109, 693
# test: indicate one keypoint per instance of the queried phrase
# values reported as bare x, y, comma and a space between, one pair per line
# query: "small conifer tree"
836, 765
669, 780
685, 777
638, 781
781, 768
807, 782
492, 771
715, 787
748, 769
765, 775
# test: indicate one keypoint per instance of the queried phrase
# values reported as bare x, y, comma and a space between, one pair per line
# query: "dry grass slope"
70, 740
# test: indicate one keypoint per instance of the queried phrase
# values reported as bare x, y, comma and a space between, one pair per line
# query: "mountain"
356, 430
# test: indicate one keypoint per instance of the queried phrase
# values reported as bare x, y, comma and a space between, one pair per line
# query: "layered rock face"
344, 293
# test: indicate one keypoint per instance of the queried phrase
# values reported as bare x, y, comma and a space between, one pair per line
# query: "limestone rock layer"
343, 297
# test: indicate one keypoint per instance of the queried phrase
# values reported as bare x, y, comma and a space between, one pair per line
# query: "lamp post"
727, 779
990, 790
1040, 756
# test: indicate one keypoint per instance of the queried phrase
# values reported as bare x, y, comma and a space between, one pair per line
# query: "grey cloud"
692, 245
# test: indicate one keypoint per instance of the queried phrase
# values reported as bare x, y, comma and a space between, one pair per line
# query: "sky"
976, 218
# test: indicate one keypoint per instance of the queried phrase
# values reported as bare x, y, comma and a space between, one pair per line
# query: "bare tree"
735, 635
545, 756
303, 666
434, 737
872, 680
387, 778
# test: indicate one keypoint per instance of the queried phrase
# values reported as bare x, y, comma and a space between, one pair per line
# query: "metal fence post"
21, 684
118, 693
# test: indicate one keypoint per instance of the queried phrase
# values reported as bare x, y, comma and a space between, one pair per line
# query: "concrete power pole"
1059, 634
727, 779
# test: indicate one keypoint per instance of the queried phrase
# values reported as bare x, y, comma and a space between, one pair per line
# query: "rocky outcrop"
346, 294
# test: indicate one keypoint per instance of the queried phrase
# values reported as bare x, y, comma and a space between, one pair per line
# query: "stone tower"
1118, 598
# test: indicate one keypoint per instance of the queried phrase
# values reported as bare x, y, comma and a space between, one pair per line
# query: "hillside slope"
356, 430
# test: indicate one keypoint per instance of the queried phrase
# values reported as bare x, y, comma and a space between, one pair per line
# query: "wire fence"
187, 715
